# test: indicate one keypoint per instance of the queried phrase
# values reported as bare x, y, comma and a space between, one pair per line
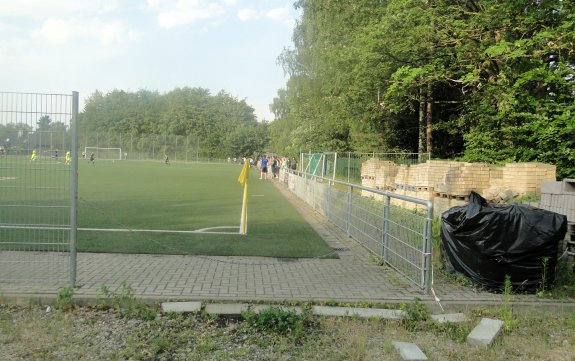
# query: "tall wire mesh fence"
37, 186
346, 166
144, 147
398, 235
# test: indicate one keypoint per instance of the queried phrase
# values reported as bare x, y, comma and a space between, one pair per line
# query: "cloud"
282, 15
247, 14
173, 13
39, 9
278, 14
60, 31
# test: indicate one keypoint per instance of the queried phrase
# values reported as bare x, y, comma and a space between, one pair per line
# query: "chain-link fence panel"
37, 187
346, 166
146, 146
399, 236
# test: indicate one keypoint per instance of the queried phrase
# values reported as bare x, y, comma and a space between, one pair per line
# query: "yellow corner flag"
243, 179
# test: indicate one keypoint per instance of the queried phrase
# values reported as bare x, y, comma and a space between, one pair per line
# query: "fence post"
348, 165
427, 236
385, 249
348, 220
74, 189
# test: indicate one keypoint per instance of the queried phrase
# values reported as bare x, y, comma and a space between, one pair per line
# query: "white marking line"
201, 230
7, 178
210, 230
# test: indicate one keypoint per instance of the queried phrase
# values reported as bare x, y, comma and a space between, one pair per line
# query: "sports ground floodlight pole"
74, 188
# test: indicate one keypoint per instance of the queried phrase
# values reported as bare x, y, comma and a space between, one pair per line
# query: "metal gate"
38, 188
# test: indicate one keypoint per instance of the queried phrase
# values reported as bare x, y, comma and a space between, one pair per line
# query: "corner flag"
243, 179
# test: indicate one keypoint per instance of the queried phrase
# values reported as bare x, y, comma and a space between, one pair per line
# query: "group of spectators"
274, 163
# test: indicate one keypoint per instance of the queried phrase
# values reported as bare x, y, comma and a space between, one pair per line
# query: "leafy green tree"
182, 112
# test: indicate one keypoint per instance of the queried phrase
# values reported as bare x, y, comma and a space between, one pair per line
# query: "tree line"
224, 125
488, 80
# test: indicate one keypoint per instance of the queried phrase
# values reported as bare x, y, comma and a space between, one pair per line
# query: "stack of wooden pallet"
526, 178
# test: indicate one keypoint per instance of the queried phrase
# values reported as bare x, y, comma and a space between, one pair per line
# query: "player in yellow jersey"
34, 155
68, 158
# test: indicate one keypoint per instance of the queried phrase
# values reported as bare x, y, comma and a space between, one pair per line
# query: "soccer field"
153, 207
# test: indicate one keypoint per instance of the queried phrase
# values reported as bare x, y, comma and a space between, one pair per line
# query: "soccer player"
166, 159
93, 158
34, 154
68, 158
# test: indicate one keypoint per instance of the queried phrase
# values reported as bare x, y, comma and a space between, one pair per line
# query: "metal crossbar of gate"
38, 187
393, 227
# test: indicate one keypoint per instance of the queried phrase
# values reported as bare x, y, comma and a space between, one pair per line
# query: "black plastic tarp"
486, 243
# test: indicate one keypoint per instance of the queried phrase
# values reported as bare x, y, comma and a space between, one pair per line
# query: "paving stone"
484, 333
409, 351
181, 307
450, 317
359, 312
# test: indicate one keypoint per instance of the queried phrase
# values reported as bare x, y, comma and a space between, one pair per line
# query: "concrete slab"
181, 307
358, 312
259, 308
484, 333
409, 351
450, 317
226, 309
236, 309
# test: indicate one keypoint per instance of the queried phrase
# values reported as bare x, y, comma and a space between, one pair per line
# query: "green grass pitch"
150, 195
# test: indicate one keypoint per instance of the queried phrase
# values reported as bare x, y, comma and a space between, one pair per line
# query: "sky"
60, 46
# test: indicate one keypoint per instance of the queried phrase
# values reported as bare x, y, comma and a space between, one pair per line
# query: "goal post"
103, 153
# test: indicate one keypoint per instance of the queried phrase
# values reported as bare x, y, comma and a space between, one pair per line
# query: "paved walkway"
354, 277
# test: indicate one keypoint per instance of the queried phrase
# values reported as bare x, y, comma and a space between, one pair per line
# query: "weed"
543, 283
526, 199
125, 303
378, 261
456, 332
416, 315
64, 300
564, 285
506, 311
277, 321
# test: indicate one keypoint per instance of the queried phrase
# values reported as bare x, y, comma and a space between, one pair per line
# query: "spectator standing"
264, 168
293, 164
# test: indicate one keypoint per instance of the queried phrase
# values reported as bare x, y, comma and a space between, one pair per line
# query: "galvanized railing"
393, 227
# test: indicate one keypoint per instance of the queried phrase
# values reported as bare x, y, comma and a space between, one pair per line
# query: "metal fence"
38, 183
148, 146
395, 228
346, 166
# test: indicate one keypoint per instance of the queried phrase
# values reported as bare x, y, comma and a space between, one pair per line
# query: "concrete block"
409, 351
484, 333
551, 187
259, 308
236, 309
226, 309
450, 317
568, 186
181, 307
358, 312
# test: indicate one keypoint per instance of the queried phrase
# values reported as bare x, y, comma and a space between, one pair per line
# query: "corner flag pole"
243, 179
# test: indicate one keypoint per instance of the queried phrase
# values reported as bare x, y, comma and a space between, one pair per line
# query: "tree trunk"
421, 133
429, 114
